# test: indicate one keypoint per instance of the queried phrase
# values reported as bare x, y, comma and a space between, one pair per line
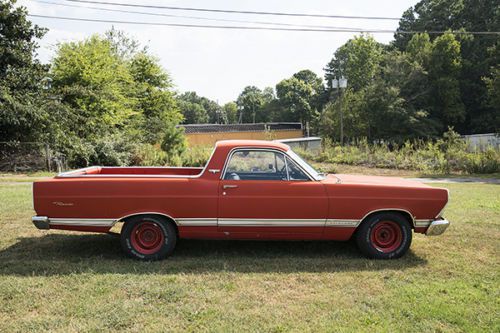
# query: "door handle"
229, 186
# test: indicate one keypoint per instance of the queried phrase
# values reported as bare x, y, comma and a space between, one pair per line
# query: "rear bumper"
437, 227
41, 222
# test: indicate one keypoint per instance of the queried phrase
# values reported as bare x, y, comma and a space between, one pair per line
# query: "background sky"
216, 63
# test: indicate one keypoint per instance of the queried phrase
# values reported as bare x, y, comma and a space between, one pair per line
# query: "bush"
196, 156
148, 155
446, 155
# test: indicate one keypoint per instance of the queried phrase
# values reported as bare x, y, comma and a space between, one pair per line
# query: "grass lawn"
70, 282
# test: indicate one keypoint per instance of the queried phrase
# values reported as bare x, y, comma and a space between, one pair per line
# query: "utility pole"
340, 84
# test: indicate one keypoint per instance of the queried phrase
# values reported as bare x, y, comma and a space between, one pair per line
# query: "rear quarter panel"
119, 197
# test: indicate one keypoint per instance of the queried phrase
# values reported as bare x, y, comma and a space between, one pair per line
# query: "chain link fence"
29, 157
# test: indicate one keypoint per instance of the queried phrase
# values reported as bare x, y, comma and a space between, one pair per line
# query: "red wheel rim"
386, 236
147, 237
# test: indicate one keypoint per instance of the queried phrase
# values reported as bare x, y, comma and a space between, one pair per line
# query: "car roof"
252, 143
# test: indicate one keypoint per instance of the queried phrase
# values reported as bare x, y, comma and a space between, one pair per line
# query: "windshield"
309, 169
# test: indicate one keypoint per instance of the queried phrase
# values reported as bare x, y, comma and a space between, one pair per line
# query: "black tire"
384, 236
148, 237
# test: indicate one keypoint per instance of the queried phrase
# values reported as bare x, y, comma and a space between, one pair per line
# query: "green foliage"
357, 60
91, 79
446, 155
199, 110
295, 96
196, 156
112, 99
155, 108
173, 143
464, 91
230, 109
444, 71
250, 103
193, 113
22, 113
147, 155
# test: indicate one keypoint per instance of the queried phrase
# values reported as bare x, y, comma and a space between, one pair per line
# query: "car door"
263, 194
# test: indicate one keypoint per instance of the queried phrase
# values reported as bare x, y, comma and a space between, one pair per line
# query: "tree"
199, 110
110, 99
193, 113
156, 108
231, 112
492, 99
476, 61
357, 60
444, 72
419, 49
22, 114
122, 45
249, 102
95, 82
295, 97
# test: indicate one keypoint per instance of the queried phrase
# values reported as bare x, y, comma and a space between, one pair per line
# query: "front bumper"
41, 222
437, 227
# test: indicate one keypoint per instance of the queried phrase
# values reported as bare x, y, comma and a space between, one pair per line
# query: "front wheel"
384, 236
148, 238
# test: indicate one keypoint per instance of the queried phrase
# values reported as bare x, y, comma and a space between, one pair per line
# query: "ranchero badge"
60, 203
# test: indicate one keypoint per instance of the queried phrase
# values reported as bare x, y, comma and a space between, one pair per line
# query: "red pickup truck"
247, 190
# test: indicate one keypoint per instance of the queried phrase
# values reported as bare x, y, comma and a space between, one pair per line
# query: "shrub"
446, 155
148, 155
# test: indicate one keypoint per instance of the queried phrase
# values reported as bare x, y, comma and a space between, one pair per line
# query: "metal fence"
30, 156
483, 141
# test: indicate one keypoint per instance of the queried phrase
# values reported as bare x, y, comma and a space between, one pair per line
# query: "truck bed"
98, 171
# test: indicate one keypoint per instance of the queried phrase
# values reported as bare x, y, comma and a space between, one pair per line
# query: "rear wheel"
148, 237
384, 236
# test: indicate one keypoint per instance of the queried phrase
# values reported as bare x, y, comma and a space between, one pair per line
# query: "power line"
195, 17
258, 28
237, 11
198, 25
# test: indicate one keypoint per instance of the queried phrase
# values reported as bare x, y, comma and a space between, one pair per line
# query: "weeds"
446, 155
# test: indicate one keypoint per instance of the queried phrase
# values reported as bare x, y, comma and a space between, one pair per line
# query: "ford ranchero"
252, 190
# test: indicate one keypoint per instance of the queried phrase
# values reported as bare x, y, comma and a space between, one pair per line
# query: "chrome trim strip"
83, 222
197, 222
147, 213
271, 222
342, 223
422, 223
299, 164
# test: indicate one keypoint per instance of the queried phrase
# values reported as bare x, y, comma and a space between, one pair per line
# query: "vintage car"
248, 190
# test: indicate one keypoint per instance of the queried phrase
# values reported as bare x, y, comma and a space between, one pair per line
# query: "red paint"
386, 236
99, 195
147, 237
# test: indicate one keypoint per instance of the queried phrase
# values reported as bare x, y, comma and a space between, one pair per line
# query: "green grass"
71, 282
25, 177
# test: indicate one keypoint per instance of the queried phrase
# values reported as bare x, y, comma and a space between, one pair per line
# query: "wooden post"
47, 156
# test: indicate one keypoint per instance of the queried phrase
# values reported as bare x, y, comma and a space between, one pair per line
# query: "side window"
294, 172
256, 165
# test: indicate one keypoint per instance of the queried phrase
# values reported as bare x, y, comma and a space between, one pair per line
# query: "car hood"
372, 180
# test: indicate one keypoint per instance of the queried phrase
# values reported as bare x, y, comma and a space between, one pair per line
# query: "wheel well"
403, 213
162, 216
